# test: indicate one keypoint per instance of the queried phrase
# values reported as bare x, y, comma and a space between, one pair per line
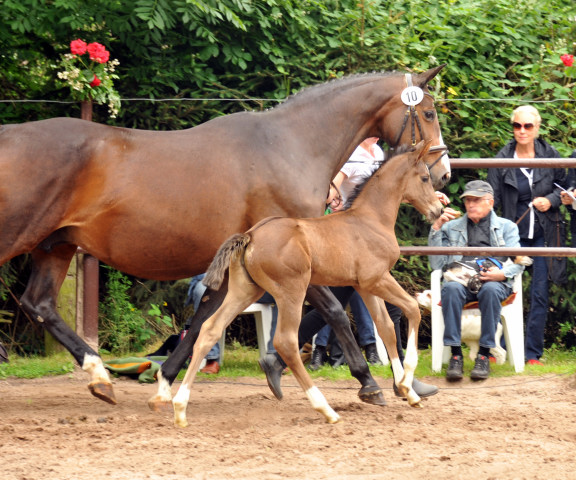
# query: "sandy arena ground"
510, 428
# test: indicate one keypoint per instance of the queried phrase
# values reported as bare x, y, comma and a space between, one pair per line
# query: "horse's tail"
217, 269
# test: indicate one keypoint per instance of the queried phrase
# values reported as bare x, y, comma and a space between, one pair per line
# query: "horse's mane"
389, 154
328, 88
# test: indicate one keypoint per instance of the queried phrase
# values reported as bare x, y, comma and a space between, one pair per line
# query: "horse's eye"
430, 115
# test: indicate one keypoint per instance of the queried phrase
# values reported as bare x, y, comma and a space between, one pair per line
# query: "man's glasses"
518, 126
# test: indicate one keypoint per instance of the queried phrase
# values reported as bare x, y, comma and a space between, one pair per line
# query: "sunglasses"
518, 126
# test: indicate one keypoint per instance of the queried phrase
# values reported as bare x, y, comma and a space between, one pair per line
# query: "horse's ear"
422, 148
424, 78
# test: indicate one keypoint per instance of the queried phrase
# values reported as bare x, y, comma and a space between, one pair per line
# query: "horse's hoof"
159, 405
372, 395
103, 391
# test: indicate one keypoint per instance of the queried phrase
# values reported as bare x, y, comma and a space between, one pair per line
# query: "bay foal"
355, 247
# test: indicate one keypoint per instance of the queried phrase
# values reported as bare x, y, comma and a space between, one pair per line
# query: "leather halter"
415, 122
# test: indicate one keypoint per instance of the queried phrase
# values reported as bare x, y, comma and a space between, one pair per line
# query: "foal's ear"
421, 149
423, 78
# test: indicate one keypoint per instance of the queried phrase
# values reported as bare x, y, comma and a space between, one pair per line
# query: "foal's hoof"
372, 395
103, 391
158, 404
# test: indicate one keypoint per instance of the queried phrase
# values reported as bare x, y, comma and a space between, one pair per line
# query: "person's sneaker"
319, 358
372, 354
455, 369
533, 361
481, 370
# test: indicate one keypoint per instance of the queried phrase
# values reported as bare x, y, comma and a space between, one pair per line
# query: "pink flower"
95, 82
567, 59
78, 47
98, 52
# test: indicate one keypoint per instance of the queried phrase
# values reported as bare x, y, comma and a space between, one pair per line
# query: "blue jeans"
536, 320
455, 295
364, 323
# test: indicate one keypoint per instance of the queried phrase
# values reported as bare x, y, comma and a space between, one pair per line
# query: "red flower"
78, 47
567, 59
98, 52
95, 82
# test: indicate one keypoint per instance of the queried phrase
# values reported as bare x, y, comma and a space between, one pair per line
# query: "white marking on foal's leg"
180, 402
320, 404
95, 367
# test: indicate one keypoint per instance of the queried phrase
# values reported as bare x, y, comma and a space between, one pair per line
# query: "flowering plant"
89, 73
568, 61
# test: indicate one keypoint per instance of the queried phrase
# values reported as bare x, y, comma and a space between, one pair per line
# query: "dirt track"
511, 428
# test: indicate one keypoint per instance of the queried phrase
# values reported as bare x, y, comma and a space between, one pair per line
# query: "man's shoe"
422, 389
372, 354
319, 358
272, 368
533, 361
455, 369
481, 370
212, 367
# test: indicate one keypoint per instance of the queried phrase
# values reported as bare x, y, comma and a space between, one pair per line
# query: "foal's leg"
324, 301
386, 330
235, 302
172, 366
389, 290
286, 344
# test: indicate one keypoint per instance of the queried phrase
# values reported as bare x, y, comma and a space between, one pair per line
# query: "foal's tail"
217, 269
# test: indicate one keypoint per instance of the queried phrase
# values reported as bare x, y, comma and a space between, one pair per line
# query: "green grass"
240, 361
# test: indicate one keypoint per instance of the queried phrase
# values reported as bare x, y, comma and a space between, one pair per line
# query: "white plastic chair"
512, 320
263, 316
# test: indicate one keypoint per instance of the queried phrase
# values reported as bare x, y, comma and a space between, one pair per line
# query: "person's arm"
334, 199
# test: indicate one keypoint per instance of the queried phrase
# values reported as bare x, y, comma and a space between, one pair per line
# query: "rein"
415, 122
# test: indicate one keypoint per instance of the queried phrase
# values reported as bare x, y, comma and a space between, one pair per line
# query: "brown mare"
158, 204
356, 247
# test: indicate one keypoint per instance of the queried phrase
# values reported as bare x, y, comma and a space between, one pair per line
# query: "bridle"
412, 114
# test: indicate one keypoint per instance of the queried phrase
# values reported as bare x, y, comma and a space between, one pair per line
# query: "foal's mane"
390, 154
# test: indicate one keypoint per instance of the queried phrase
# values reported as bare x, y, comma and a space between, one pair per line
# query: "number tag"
412, 95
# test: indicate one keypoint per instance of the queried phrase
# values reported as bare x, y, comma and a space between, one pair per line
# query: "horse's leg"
242, 293
39, 301
334, 315
211, 300
286, 344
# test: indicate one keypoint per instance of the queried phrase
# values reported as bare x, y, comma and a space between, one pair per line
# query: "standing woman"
528, 197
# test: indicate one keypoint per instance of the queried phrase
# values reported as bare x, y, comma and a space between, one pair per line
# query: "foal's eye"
430, 115
425, 179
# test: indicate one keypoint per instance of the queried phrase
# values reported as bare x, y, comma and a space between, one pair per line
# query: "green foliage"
123, 326
37, 366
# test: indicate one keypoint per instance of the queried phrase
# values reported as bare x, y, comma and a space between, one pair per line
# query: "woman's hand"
566, 199
542, 204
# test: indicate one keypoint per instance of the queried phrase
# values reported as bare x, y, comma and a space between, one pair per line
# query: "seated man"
479, 227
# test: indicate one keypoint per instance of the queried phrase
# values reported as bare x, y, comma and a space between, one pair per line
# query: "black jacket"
571, 183
503, 181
